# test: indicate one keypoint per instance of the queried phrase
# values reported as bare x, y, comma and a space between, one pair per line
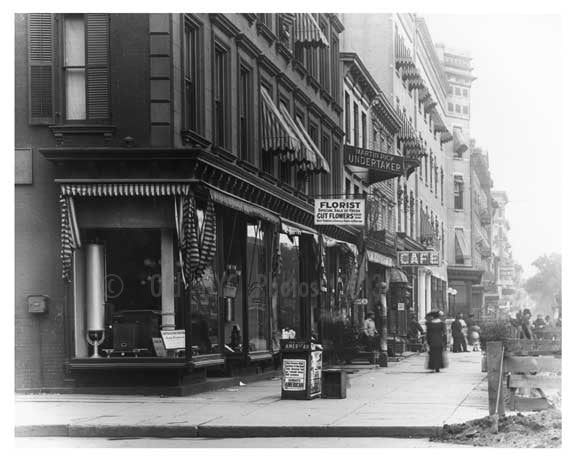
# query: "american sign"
339, 211
419, 258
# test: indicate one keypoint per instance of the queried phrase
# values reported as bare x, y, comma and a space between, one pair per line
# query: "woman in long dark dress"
436, 339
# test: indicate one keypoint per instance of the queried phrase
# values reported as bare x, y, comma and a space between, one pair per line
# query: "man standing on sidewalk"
458, 334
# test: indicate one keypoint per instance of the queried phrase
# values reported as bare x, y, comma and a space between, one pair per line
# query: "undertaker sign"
373, 160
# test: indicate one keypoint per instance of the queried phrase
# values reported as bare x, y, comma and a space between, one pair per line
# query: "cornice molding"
224, 24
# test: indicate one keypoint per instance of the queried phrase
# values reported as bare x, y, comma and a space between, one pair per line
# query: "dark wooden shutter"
40, 68
98, 66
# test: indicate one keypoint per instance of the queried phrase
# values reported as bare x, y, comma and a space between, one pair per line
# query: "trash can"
301, 369
334, 384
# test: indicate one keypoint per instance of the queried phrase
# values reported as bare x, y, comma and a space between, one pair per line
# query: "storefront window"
137, 304
204, 314
257, 287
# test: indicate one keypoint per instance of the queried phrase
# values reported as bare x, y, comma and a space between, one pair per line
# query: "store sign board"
174, 339
373, 160
349, 212
293, 374
419, 258
507, 273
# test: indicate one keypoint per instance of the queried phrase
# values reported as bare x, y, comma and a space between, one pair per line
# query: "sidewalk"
403, 400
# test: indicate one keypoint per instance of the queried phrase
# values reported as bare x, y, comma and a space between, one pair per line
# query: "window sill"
315, 84
192, 138
247, 166
284, 51
299, 68
324, 94
268, 177
265, 31
62, 131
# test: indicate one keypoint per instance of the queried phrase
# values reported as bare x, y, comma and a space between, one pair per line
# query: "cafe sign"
418, 258
373, 160
339, 211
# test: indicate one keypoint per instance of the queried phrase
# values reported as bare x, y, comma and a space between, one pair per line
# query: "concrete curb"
208, 431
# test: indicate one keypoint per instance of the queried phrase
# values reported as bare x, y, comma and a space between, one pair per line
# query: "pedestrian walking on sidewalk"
436, 339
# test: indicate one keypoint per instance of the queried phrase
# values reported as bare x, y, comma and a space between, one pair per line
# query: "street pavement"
402, 400
198, 442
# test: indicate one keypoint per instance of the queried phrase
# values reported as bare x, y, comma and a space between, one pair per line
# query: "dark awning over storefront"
243, 206
398, 276
307, 31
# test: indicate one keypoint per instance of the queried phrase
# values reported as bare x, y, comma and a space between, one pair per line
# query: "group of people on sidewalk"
524, 328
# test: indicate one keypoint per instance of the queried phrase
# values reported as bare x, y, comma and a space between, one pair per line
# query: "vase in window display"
95, 296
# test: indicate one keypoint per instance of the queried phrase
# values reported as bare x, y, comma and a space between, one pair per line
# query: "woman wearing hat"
436, 339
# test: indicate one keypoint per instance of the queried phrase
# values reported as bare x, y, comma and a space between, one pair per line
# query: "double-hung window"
458, 192
244, 112
220, 95
192, 77
86, 73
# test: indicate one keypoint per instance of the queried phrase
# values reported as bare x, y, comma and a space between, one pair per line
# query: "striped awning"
412, 143
124, 189
402, 54
307, 31
278, 137
197, 246
310, 159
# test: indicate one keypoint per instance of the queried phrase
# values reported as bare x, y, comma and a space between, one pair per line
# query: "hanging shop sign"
419, 258
373, 160
339, 212
506, 274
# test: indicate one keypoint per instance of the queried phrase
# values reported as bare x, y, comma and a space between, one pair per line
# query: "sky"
516, 112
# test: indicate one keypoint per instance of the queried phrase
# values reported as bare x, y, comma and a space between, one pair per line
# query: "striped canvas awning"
310, 159
307, 31
197, 247
124, 189
278, 137
402, 54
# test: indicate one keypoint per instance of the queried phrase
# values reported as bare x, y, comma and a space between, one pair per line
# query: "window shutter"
98, 66
40, 68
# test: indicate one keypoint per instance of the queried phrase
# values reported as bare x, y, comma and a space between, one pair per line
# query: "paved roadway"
275, 442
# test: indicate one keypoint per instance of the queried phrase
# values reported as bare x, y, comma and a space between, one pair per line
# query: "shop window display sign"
174, 339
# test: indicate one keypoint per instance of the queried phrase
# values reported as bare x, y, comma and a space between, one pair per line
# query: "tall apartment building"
505, 268
483, 209
400, 55
464, 271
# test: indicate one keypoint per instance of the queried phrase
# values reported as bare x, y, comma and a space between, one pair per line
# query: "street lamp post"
451, 300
